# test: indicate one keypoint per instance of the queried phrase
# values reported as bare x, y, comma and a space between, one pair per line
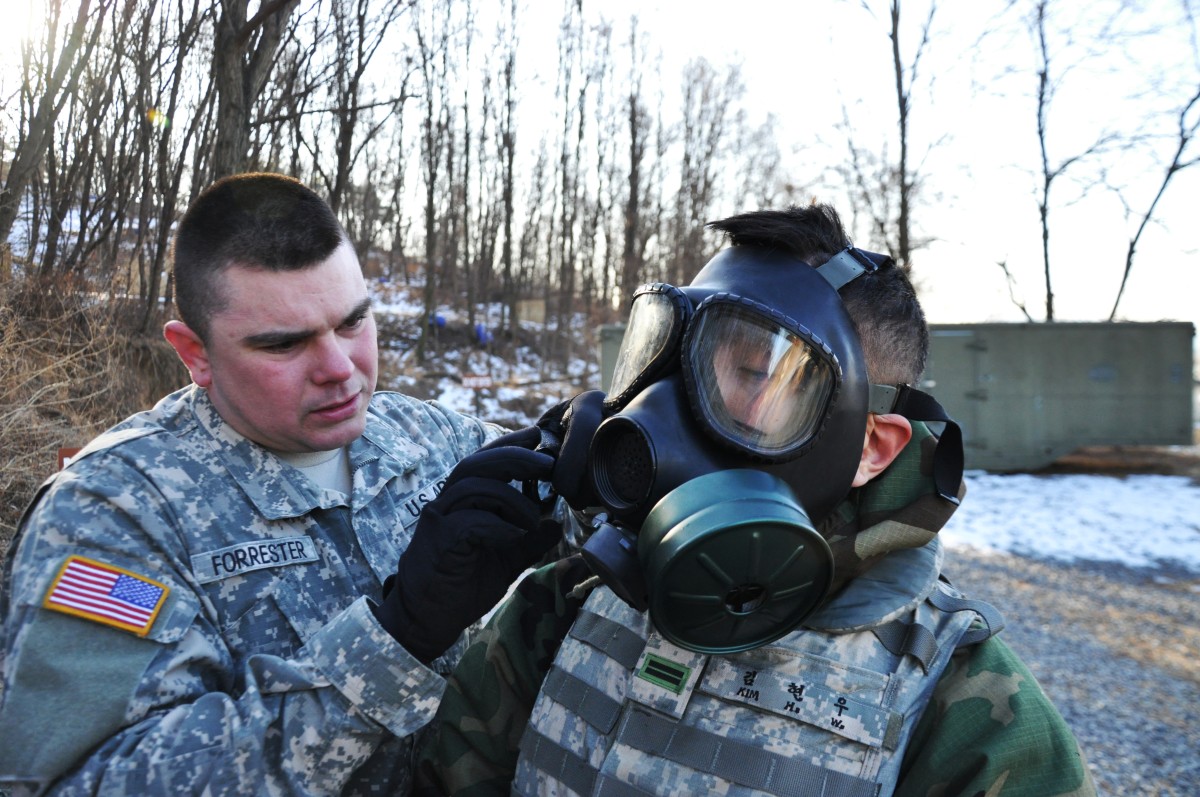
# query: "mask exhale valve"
611, 553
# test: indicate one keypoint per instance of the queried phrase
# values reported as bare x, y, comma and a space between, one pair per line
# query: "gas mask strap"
948, 456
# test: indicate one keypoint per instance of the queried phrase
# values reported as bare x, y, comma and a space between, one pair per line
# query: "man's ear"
191, 350
886, 437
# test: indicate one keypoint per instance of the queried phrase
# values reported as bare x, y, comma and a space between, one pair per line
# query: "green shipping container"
1027, 394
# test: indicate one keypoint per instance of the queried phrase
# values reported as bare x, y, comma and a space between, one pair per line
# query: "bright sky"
805, 61
17, 15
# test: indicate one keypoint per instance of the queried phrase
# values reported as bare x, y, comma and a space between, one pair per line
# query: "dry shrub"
67, 372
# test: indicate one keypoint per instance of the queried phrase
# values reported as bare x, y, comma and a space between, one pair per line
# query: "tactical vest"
827, 709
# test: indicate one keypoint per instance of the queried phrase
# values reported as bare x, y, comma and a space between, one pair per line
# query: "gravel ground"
1117, 650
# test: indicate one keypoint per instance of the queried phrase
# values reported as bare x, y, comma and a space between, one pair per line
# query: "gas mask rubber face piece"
740, 408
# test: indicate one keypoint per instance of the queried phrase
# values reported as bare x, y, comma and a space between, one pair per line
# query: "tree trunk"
242, 57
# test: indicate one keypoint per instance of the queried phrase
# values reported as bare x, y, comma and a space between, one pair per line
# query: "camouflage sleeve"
429, 424
93, 709
990, 729
473, 743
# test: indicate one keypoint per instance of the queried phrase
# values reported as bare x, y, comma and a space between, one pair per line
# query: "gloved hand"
574, 423
470, 544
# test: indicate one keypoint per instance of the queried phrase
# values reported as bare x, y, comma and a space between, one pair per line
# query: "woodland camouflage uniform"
987, 730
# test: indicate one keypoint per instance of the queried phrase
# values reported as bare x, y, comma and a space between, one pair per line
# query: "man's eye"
281, 347
753, 377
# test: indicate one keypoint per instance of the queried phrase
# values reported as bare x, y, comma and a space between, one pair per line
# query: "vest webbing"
593, 706
731, 760
914, 639
613, 638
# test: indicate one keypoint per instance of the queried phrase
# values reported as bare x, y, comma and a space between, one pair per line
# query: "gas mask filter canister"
728, 575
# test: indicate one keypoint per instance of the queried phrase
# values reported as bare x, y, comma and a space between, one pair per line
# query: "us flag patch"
106, 594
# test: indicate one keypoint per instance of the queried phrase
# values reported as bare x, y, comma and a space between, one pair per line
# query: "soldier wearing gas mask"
758, 604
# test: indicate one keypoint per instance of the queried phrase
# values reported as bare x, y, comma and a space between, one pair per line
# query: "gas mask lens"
757, 383
656, 320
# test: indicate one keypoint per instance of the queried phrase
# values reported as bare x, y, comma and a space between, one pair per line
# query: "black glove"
470, 544
530, 437
574, 423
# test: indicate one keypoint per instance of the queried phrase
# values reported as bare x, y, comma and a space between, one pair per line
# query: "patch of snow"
1142, 521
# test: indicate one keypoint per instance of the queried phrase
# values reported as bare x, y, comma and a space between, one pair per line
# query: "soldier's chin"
339, 435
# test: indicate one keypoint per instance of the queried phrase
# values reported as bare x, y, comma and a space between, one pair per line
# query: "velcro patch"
666, 676
246, 557
106, 594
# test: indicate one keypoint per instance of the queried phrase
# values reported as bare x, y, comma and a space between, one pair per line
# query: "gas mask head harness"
739, 408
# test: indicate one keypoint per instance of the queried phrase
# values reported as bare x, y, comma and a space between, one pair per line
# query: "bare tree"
452, 222
633, 253
904, 177
396, 181
506, 132
94, 161
290, 128
760, 167
538, 223
1048, 82
172, 93
243, 54
358, 34
599, 240
163, 86
492, 192
574, 81
465, 178
1187, 125
653, 241
52, 70
709, 123
432, 46
883, 191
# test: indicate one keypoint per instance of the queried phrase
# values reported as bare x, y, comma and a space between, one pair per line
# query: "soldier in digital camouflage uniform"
895, 684
207, 600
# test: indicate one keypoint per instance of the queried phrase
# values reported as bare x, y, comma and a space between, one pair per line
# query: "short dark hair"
883, 304
255, 220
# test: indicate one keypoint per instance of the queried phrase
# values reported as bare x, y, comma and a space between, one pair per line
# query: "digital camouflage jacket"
988, 729
184, 613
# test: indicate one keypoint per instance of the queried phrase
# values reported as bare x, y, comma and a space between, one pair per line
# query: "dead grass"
68, 371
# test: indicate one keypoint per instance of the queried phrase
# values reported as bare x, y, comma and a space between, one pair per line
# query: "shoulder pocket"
111, 591
68, 665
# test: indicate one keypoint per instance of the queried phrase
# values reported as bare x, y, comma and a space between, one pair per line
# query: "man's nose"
333, 363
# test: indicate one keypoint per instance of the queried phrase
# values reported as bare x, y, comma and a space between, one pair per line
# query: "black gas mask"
738, 409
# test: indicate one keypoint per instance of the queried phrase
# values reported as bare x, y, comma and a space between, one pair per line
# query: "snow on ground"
523, 387
1142, 521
